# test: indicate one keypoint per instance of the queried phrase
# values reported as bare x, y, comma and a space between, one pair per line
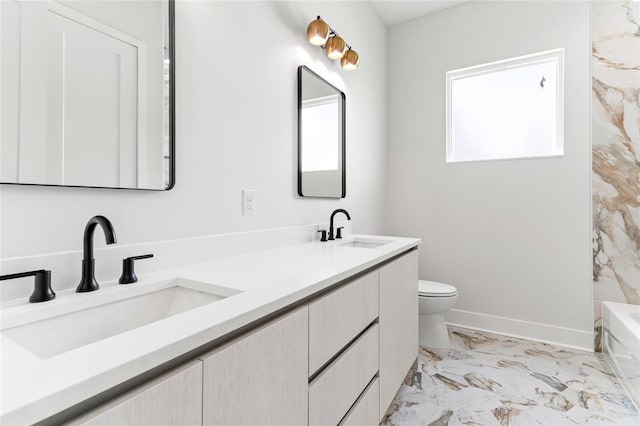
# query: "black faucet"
88, 281
335, 212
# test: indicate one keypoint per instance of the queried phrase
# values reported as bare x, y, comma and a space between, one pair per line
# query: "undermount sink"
103, 317
368, 243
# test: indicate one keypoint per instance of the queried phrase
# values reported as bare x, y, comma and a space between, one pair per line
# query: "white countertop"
33, 389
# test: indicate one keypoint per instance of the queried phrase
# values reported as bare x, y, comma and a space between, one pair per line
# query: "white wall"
236, 112
513, 236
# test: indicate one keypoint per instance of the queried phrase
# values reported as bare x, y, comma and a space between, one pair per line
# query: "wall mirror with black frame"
321, 137
87, 93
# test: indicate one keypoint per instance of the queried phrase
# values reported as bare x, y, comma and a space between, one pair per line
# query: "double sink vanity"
316, 333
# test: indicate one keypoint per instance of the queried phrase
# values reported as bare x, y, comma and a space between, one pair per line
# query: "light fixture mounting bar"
335, 33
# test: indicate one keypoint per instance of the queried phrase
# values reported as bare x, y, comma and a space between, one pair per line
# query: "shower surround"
616, 154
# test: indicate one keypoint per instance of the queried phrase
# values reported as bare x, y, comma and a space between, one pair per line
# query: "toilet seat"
435, 289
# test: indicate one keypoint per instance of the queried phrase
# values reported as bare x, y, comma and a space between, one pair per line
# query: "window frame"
554, 55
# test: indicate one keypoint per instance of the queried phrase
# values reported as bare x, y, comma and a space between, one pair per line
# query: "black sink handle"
128, 272
41, 290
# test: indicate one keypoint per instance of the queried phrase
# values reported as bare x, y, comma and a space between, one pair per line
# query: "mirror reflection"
321, 141
86, 93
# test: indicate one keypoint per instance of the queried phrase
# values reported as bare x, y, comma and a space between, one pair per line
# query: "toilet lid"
436, 289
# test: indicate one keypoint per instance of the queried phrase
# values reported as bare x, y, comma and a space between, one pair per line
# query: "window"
506, 109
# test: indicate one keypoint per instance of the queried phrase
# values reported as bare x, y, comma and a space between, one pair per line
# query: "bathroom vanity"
314, 333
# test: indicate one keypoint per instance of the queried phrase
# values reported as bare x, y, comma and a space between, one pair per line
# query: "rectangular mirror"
87, 93
321, 137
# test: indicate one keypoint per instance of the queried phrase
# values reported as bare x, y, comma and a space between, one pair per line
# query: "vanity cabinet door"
261, 378
174, 398
398, 324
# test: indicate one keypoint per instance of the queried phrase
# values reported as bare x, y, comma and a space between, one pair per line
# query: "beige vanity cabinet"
261, 378
343, 348
398, 324
174, 398
337, 360
363, 339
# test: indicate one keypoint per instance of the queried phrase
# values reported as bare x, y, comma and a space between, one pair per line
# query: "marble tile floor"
487, 379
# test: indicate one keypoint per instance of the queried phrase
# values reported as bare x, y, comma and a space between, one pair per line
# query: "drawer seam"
337, 355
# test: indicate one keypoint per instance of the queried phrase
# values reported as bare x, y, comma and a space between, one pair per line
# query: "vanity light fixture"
335, 47
319, 33
350, 60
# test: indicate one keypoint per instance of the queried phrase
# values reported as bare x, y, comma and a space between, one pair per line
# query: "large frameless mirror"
321, 137
87, 93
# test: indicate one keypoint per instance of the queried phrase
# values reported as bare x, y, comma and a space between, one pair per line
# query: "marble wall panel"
616, 154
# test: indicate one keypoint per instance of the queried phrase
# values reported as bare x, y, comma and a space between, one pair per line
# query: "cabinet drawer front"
335, 319
260, 379
334, 391
174, 398
365, 410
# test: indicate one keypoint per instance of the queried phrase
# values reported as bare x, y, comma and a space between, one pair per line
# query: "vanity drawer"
338, 317
365, 410
334, 391
172, 398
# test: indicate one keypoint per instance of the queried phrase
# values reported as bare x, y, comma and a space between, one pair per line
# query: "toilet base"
433, 331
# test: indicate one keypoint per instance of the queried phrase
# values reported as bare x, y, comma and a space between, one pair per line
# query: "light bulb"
350, 60
335, 47
318, 32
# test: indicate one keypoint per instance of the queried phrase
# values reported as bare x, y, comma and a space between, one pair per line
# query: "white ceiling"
394, 12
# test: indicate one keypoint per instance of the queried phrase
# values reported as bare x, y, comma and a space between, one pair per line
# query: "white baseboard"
560, 336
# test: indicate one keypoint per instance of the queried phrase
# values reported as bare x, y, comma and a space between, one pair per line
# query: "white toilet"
434, 299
